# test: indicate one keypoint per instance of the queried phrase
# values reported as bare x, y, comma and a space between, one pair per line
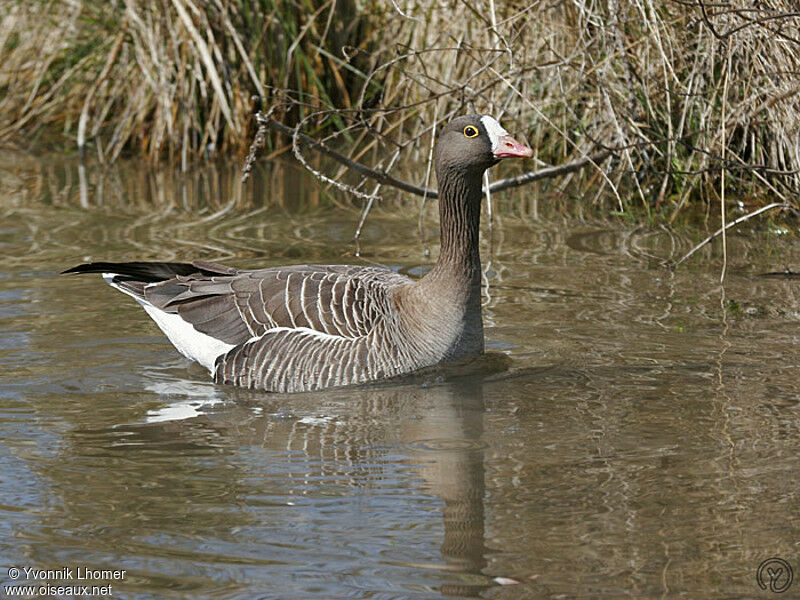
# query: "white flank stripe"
302, 299
493, 129
347, 305
304, 330
334, 318
320, 311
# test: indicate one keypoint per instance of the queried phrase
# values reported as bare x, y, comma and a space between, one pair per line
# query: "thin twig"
258, 141
378, 176
319, 174
741, 219
371, 201
402, 14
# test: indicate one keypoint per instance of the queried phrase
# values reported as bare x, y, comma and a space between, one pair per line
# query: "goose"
308, 327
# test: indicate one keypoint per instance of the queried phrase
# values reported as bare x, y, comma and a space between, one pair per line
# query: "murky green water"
642, 443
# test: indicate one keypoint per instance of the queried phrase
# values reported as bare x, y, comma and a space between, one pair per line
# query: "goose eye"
470, 131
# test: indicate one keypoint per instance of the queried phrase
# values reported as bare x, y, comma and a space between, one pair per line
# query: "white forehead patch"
494, 129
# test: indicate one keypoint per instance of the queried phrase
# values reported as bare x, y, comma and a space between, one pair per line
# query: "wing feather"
238, 306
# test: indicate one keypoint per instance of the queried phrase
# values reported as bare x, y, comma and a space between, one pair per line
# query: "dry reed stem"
205, 55
722, 173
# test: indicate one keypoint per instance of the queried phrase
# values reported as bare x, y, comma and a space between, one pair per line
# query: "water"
643, 440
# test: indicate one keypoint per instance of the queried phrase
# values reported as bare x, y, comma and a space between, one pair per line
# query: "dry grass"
641, 75
164, 78
174, 78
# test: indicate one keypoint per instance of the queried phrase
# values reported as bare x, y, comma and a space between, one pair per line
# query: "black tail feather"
146, 272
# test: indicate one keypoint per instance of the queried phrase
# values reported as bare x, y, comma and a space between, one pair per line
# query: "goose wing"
236, 306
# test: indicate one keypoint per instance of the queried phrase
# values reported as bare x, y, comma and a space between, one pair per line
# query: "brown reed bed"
680, 90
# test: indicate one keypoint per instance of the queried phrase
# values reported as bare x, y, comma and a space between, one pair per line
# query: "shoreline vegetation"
681, 101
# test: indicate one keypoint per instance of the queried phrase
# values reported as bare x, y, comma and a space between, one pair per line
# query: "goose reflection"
352, 437
447, 444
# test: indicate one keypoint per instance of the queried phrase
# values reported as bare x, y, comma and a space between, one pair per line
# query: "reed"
173, 79
163, 78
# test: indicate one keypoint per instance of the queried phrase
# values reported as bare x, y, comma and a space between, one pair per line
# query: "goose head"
473, 143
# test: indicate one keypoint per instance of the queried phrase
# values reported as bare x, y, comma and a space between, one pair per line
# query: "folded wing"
333, 300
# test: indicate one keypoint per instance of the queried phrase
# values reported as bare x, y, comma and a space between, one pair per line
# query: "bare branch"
379, 176
258, 141
548, 172
384, 178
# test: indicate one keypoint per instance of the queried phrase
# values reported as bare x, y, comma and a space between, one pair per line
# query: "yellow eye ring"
470, 131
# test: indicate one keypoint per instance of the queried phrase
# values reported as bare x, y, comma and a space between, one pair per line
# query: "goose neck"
459, 222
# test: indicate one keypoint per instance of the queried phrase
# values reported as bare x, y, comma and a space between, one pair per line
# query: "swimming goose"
307, 327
